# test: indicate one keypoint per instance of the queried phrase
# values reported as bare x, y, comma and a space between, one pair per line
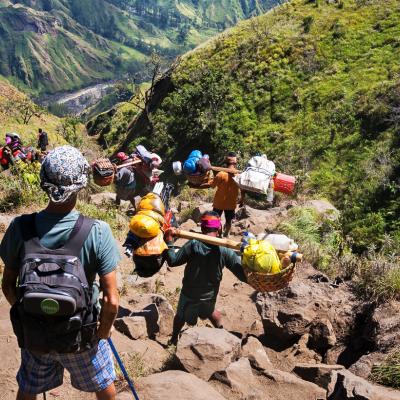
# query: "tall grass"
388, 373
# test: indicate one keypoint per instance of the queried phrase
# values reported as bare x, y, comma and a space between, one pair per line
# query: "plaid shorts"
91, 371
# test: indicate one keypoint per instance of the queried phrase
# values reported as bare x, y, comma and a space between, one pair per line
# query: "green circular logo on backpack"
49, 306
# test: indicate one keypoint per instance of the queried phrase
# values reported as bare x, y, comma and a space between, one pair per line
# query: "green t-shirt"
204, 266
99, 254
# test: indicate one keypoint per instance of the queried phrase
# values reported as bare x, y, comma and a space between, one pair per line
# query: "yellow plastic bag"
152, 247
152, 214
144, 226
260, 256
152, 202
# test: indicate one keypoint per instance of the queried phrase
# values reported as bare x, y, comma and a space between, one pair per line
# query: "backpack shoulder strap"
78, 236
27, 225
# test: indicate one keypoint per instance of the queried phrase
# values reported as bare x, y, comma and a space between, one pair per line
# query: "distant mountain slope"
313, 84
14, 106
56, 45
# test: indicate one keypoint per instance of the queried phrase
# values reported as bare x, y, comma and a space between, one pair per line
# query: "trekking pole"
121, 365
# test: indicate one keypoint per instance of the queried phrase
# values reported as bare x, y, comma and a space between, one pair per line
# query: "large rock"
133, 327
320, 374
177, 385
200, 210
323, 312
382, 331
324, 208
156, 310
259, 221
346, 386
256, 354
240, 378
204, 351
284, 385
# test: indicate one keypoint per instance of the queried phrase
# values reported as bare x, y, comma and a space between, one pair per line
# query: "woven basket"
270, 282
103, 172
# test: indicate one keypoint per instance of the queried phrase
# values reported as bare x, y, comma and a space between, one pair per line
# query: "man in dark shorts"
43, 140
203, 275
227, 193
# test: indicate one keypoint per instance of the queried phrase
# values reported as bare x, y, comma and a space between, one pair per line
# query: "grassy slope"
314, 85
28, 133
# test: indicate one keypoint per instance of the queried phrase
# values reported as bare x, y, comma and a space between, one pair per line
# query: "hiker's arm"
9, 285
110, 303
233, 263
175, 259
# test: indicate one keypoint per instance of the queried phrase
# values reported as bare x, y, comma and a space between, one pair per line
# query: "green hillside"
56, 45
316, 86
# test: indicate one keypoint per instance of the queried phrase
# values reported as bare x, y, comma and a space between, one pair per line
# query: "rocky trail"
312, 341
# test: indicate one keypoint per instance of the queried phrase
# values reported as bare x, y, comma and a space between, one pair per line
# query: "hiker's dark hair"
40, 130
232, 154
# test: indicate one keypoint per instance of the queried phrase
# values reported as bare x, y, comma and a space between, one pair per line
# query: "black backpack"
55, 310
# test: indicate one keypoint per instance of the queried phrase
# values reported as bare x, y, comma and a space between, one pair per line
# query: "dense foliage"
313, 84
57, 45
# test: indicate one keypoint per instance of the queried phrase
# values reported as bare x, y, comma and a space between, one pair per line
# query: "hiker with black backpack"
43, 140
51, 260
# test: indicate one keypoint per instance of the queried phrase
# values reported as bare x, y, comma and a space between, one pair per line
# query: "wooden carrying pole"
207, 239
223, 169
135, 162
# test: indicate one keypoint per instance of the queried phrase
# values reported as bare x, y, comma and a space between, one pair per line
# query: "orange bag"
144, 226
152, 247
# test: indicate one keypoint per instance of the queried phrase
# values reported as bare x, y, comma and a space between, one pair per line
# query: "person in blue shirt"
64, 173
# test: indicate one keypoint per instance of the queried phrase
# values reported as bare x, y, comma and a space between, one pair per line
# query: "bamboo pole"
134, 162
207, 239
223, 169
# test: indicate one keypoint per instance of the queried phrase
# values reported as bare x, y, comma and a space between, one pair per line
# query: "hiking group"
57, 262
13, 150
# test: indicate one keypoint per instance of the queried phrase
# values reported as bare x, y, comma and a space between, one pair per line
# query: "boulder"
324, 208
383, 332
325, 313
288, 386
259, 221
133, 327
200, 210
322, 335
204, 351
256, 354
320, 374
346, 386
155, 308
240, 378
177, 385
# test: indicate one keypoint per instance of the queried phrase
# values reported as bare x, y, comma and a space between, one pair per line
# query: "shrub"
388, 373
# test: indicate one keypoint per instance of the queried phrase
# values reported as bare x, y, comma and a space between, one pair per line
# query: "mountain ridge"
61, 45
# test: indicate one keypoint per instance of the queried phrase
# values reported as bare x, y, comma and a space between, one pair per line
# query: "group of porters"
269, 261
